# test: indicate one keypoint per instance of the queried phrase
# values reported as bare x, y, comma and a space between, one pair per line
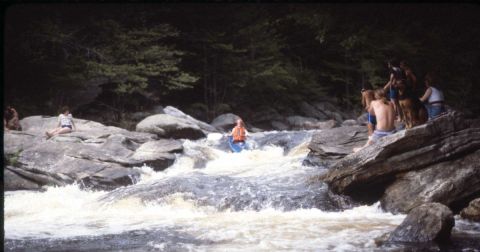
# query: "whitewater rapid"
208, 200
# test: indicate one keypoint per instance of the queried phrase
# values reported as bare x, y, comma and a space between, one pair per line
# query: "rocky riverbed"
311, 168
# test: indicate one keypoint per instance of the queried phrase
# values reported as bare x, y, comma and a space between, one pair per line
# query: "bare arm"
389, 83
427, 94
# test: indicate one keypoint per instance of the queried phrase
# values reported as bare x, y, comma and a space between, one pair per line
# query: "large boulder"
450, 183
97, 156
225, 121
168, 126
328, 146
369, 171
426, 223
472, 212
205, 127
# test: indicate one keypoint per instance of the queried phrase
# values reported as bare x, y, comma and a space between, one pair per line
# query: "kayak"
236, 147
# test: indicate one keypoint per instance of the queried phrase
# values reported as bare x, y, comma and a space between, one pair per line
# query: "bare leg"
51, 132
62, 131
369, 142
58, 131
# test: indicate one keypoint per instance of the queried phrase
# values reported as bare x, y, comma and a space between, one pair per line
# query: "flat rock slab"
377, 165
96, 156
328, 146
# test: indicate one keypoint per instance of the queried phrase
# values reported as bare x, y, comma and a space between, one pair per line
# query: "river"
261, 199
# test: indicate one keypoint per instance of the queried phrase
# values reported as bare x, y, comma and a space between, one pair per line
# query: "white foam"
63, 212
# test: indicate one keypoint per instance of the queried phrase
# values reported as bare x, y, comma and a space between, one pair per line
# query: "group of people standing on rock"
404, 103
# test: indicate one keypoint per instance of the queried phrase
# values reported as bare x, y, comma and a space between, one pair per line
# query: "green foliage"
12, 159
230, 57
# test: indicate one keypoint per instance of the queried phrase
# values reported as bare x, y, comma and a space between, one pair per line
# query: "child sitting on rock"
65, 123
11, 120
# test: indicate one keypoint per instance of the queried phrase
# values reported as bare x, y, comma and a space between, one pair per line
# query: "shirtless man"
367, 98
385, 113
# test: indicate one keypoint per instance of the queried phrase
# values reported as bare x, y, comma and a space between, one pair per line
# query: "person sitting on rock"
65, 123
434, 96
385, 113
11, 120
367, 97
239, 132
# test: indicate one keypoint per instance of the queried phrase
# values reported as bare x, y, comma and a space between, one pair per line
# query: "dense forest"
210, 59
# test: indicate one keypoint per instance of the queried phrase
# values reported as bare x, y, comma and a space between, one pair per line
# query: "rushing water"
209, 200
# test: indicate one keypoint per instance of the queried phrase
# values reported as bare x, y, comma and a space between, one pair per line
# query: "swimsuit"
371, 119
393, 93
67, 126
377, 134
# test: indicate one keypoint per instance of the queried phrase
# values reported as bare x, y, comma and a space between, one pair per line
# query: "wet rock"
237, 194
168, 126
450, 183
369, 171
287, 140
472, 212
225, 122
38, 177
158, 154
328, 146
14, 181
109, 179
425, 223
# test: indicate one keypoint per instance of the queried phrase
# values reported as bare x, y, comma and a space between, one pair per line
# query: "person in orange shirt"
239, 132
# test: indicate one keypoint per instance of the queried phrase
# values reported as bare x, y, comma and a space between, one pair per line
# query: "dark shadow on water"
138, 240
